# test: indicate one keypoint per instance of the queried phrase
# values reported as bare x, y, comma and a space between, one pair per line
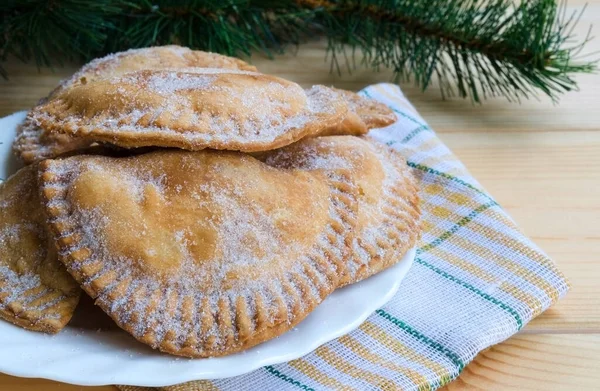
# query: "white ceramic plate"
86, 357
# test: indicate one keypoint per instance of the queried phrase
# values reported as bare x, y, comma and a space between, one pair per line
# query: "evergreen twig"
475, 48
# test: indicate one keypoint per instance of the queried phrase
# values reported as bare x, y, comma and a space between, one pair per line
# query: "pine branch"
487, 48
50, 31
474, 48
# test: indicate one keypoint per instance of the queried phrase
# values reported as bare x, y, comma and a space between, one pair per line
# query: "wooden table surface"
541, 161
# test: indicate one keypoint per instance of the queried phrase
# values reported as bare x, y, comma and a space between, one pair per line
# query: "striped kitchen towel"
475, 282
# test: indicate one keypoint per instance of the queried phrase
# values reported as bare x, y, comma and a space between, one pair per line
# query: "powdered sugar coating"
173, 83
33, 144
35, 290
210, 108
388, 213
363, 115
15, 286
372, 113
159, 57
237, 270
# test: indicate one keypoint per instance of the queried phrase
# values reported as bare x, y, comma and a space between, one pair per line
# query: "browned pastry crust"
193, 109
388, 204
363, 115
36, 292
33, 143
199, 253
152, 58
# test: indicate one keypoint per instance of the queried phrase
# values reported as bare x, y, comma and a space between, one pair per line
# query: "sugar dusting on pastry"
16, 286
242, 115
172, 82
35, 290
386, 204
238, 241
372, 113
309, 158
207, 108
207, 253
33, 144
161, 57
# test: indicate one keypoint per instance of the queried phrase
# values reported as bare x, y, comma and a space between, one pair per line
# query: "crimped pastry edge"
402, 211
69, 254
101, 128
30, 318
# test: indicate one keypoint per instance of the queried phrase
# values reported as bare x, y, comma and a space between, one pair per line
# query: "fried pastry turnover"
388, 211
34, 143
36, 292
152, 58
199, 253
363, 115
193, 109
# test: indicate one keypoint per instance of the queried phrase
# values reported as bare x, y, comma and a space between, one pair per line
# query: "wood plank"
549, 182
535, 362
11, 383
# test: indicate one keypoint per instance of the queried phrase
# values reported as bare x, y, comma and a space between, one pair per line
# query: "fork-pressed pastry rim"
42, 298
193, 110
397, 226
241, 321
33, 143
401, 214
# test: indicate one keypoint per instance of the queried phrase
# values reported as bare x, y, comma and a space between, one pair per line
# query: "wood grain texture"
11, 383
549, 182
539, 160
535, 362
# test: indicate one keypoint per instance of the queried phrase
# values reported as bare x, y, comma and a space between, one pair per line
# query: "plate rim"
403, 265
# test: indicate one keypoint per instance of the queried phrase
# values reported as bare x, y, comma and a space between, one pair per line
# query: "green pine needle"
474, 48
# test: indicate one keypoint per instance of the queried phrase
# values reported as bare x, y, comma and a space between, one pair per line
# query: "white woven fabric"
476, 281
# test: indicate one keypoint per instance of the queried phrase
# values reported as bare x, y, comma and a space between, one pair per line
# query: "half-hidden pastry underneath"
34, 143
192, 109
388, 211
36, 292
198, 253
363, 115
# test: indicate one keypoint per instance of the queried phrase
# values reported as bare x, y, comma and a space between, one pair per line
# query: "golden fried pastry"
198, 253
363, 115
388, 210
34, 143
204, 108
36, 292
152, 58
